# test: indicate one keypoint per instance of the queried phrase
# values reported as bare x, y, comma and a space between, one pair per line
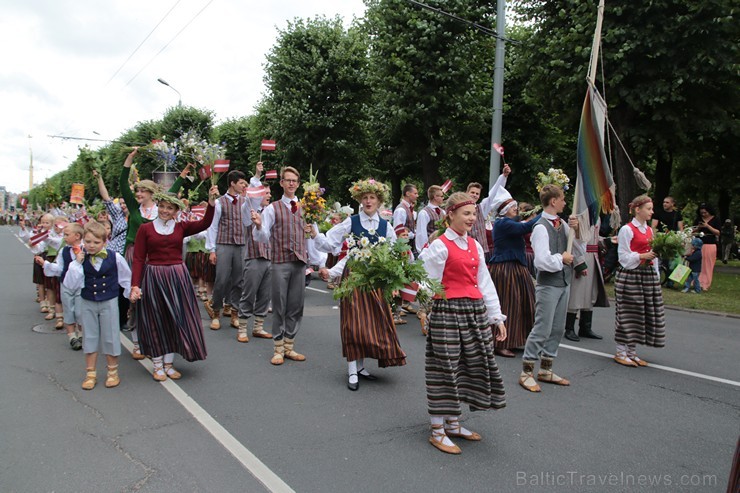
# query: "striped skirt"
367, 329
640, 315
460, 367
200, 267
516, 294
167, 318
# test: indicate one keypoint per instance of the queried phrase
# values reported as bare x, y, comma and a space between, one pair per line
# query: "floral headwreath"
147, 185
361, 187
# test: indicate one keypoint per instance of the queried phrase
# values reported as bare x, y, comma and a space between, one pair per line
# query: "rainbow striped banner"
594, 175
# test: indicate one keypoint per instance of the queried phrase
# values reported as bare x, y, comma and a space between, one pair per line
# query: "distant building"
4, 206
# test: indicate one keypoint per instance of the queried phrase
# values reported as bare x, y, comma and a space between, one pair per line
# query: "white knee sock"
135, 336
352, 371
169, 358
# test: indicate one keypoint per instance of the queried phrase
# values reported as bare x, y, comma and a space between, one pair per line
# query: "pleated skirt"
367, 329
200, 267
460, 366
516, 294
38, 271
640, 317
51, 283
168, 318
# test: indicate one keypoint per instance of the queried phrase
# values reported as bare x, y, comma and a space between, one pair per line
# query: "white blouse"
627, 258
435, 258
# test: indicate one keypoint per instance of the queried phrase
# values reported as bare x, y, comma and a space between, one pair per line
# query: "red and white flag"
39, 237
205, 172
24, 203
221, 165
446, 186
271, 175
498, 148
198, 212
268, 145
408, 292
256, 192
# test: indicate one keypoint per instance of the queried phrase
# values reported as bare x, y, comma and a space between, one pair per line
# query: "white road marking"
259, 470
317, 290
659, 367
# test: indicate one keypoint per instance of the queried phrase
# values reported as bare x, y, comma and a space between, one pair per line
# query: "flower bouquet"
213, 157
312, 202
671, 244
553, 177
385, 266
162, 152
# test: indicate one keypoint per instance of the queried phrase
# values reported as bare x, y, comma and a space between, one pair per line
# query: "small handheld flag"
39, 237
205, 172
446, 186
221, 166
198, 211
268, 145
256, 192
271, 175
498, 148
408, 292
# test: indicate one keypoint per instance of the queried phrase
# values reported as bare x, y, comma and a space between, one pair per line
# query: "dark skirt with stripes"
529, 255
516, 294
167, 318
129, 255
200, 267
640, 315
460, 366
38, 270
367, 329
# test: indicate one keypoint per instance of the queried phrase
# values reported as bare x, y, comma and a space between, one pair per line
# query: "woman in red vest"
460, 366
640, 317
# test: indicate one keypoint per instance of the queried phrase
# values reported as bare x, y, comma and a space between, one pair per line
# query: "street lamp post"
162, 81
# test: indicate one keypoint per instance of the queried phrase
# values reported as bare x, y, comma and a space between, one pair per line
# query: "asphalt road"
297, 426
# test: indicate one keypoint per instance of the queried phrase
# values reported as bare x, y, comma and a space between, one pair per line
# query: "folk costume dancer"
225, 241
366, 320
640, 315
281, 224
510, 273
257, 270
460, 366
554, 266
405, 215
586, 292
426, 222
141, 209
168, 317
98, 273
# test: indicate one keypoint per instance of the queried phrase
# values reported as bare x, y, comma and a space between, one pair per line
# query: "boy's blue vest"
101, 285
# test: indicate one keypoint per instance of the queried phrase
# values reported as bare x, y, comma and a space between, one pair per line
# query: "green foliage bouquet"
385, 266
554, 176
671, 244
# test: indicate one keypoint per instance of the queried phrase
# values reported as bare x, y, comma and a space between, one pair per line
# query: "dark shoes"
353, 386
504, 353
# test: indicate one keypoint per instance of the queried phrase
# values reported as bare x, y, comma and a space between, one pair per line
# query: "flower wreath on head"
361, 187
169, 197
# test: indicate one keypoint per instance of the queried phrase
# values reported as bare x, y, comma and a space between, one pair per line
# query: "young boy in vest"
281, 224
99, 273
70, 299
554, 272
484, 208
426, 222
225, 240
404, 214
257, 274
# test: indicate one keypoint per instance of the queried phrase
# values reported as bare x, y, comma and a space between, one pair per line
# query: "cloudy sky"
65, 67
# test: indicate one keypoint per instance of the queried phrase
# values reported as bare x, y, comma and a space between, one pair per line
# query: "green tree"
316, 107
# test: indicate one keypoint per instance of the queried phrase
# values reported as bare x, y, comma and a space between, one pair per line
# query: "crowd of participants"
511, 281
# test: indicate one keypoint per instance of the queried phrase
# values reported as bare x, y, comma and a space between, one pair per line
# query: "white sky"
58, 57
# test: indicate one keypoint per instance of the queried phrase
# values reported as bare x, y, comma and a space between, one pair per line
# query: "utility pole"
30, 166
498, 91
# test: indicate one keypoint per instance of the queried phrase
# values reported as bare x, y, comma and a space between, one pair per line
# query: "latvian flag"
408, 293
24, 203
268, 145
498, 148
271, 175
205, 172
39, 237
221, 166
256, 192
198, 212
446, 186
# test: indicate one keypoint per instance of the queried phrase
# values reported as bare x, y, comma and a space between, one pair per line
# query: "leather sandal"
551, 377
91, 378
453, 429
136, 352
60, 323
622, 359
437, 441
527, 381
158, 374
50, 315
638, 361
171, 372
112, 379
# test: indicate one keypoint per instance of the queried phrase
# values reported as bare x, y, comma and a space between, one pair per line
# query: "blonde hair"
638, 202
432, 191
75, 228
97, 230
289, 169
549, 192
454, 200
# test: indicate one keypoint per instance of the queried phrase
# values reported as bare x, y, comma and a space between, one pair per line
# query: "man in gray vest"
554, 272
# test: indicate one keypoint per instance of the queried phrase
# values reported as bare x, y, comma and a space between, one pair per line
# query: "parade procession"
330, 293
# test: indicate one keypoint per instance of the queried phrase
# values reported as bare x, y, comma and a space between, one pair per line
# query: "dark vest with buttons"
558, 244
101, 285
359, 230
67, 258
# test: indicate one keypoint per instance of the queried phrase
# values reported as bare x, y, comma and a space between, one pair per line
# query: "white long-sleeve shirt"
544, 259
75, 278
435, 258
628, 258
400, 216
422, 220
55, 269
486, 205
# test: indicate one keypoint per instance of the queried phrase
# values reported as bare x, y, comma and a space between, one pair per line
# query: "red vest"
460, 277
230, 227
640, 241
479, 228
